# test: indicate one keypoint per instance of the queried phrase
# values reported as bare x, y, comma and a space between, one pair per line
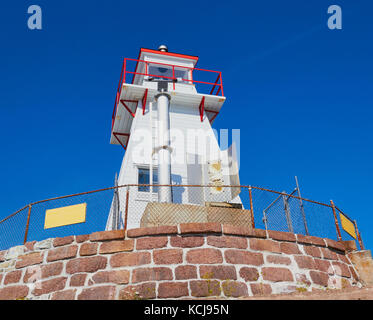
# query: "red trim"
216, 82
172, 54
114, 111
201, 108
124, 75
124, 70
212, 111
121, 134
214, 116
221, 86
217, 92
165, 77
137, 64
122, 80
145, 97
128, 109
173, 66
168, 64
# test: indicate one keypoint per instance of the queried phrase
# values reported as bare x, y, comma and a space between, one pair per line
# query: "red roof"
184, 56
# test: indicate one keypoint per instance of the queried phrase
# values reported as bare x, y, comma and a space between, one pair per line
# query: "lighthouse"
163, 114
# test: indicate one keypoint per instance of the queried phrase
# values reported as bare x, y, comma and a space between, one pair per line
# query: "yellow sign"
348, 226
65, 216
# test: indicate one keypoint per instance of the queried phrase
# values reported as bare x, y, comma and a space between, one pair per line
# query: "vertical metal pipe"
126, 209
251, 208
151, 153
124, 73
287, 214
336, 221
301, 207
265, 220
359, 236
164, 151
27, 223
173, 76
115, 206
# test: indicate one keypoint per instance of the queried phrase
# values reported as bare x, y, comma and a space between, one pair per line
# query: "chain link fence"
286, 212
12, 228
133, 206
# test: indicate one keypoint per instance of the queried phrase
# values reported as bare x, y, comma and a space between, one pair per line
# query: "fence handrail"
13, 214
164, 185
283, 194
344, 214
292, 196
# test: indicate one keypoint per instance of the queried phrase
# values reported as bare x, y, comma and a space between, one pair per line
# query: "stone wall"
189, 260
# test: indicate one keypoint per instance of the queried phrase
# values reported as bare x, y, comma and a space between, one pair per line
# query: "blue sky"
301, 94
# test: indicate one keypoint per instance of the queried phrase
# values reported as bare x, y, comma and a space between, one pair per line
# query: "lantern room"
176, 73
177, 69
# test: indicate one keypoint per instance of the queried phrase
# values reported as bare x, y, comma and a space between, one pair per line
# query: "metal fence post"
27, 223
336, 221
359, 236
287, 214
301, 207
126, 209
251, 208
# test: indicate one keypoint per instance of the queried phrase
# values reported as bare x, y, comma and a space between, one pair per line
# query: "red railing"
216, 86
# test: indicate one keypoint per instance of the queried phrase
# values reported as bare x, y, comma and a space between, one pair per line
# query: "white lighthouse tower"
162, 117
